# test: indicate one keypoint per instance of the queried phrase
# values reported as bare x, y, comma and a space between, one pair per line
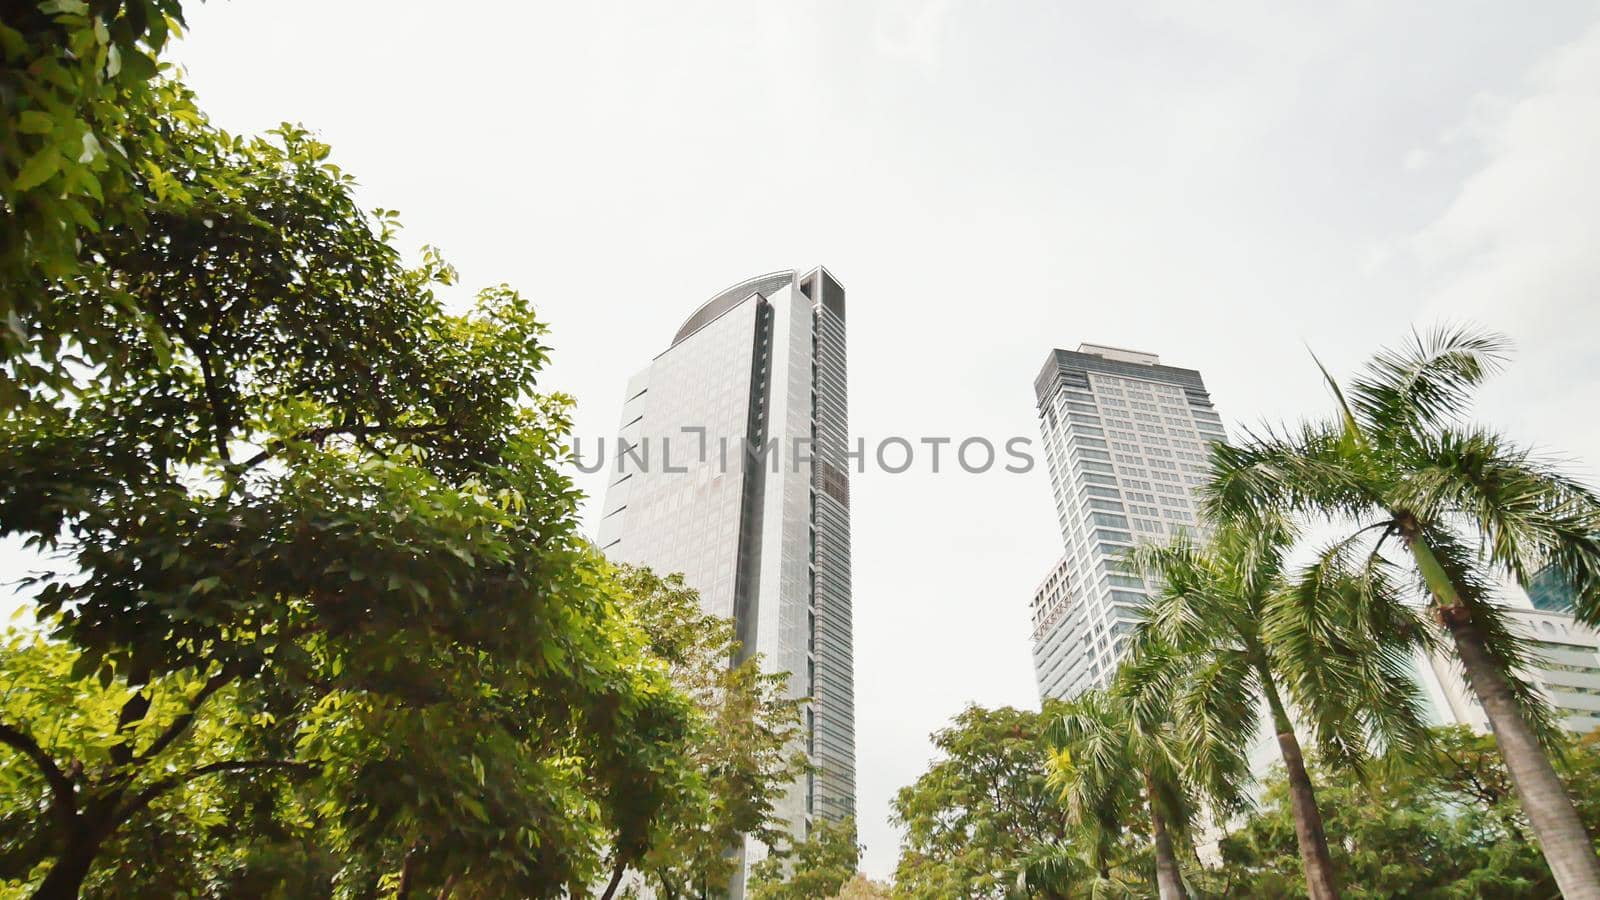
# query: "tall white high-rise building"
1127, 442
733, 471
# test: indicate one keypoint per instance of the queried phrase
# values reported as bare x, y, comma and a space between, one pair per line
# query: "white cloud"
1529, 213
913, 30
1516, 249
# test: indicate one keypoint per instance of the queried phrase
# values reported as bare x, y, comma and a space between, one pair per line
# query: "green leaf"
138, 67
38, 169
32, 121
1351, 426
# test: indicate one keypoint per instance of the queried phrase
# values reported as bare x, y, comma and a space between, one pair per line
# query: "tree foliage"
196, 827
75, 94
860, 887
735, 763
815, 868
1449, 826
974, 818
1468, 506
320, 528
1115, 753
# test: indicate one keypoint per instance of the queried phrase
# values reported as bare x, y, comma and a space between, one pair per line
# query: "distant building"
1549, 590
1565, 668
1126, 440
1056, 609
735, 474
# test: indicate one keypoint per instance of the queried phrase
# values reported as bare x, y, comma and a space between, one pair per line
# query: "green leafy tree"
816, 868
260, 795
1448, 825
75, 87
974, 820
860, 887
179, 806
1467, 505
742, 755
1226, 634
288, 477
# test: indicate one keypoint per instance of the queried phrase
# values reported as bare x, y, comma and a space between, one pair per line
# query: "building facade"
1126, 442
731, 468
1055, 602
1563, 664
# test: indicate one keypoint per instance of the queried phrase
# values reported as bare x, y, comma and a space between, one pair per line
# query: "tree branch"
359, 432
407, 867
134, 709
181, 723
66, 798
149, 794
221, 424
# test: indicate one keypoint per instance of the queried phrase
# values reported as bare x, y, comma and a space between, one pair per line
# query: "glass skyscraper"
1126, 441
732, 470
1550, 591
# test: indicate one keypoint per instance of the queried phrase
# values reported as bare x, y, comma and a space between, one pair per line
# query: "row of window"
1568, 667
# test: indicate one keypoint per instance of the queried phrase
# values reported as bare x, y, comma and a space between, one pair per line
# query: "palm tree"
1467, 505
1059, 870
1099, 738
1227, 634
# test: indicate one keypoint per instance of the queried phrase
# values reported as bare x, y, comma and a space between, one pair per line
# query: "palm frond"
1427, 382
1346, 639
1053, 869
1146, 681
1217, 716
1575, 559
1148, 678
1352, 428
1528, 511
1178, 611
1170, 789
1252, 554
1308, 470
1093, 771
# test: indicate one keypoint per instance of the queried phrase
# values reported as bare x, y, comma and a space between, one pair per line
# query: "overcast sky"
1219, 183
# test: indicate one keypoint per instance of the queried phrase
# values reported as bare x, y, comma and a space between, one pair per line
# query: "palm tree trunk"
1565, 843
1561, 835
1315, 859
1169, 881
